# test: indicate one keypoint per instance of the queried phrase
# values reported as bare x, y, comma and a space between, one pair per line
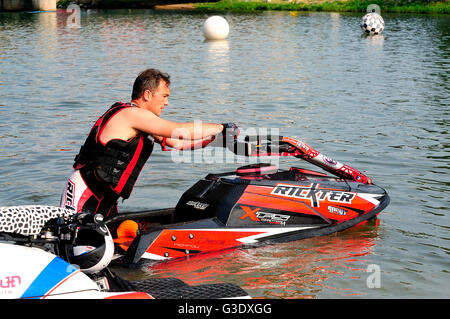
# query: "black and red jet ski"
256, 204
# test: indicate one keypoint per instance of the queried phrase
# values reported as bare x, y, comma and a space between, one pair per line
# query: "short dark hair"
148, 80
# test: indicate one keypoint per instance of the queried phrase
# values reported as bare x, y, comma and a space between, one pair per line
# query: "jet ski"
32, 273
255, 204
41, 262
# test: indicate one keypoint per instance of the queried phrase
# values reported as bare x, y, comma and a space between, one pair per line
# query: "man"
122, 140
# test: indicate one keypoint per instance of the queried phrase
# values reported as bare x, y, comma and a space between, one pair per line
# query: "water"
380, 104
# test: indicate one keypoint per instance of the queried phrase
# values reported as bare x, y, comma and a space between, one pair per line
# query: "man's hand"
230, 129
229, 133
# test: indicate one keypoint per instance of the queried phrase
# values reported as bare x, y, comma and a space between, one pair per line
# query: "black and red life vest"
116, 165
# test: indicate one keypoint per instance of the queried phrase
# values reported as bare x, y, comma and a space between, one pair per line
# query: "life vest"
117, 164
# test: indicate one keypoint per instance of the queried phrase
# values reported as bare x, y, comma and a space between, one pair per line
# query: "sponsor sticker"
69, 196
330, 161
7, 285
337, 210
313, 193
259, 216
272, 218
10, 281
197, 205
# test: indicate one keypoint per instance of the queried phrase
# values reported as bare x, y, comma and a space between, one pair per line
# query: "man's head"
151, 89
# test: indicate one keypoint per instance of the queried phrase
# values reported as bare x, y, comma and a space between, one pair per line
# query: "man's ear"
148, 95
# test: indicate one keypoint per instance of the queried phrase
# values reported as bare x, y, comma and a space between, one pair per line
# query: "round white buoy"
216, 28
372, 23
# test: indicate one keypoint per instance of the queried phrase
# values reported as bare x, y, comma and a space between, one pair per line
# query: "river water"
380, 104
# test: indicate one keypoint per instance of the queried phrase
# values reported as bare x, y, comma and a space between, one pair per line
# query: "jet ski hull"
224, 211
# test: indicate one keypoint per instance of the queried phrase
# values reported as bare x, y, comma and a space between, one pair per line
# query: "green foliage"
404, 6
399, 6
62, 4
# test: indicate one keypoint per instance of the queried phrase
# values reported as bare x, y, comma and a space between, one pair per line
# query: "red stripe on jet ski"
131, 295
170, 240
60, 283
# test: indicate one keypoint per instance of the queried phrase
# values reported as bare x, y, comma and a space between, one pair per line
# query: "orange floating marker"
126, 232
127, 228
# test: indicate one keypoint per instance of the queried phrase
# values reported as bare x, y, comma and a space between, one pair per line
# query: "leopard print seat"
29, 219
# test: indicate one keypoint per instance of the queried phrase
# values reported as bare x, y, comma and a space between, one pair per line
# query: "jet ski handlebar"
288, 146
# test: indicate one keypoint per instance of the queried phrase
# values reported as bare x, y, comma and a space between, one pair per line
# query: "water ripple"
380, 104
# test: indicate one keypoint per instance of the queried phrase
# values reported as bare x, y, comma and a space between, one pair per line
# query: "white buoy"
372, 24
216, 28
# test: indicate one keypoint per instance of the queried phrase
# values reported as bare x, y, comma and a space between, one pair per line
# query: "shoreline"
254, 6
394, 6
171, 7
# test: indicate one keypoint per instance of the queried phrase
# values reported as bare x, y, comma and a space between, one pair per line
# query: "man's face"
160, 99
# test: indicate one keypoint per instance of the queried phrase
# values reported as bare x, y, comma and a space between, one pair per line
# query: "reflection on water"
320, 266
375, 40
218, 57
377, 103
